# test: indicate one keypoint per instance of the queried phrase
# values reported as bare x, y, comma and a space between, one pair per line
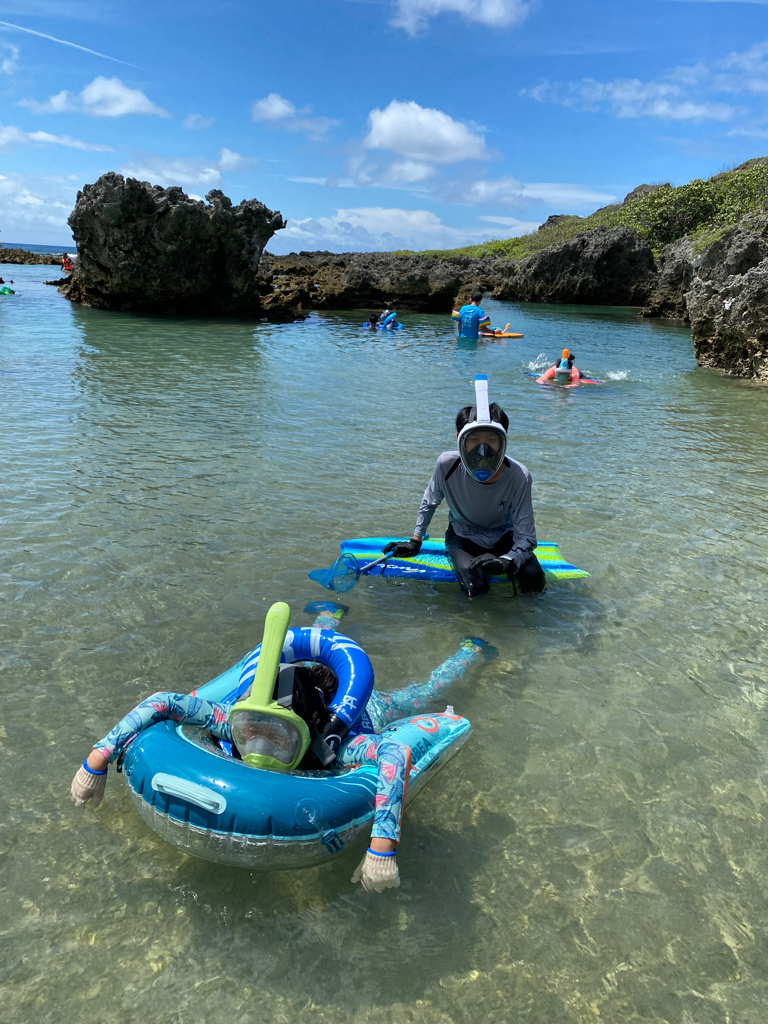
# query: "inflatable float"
187, 786
582, 380
504, 334
432, 562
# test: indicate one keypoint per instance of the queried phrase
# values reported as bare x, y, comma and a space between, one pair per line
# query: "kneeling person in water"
491, 531
263, 736
471, 320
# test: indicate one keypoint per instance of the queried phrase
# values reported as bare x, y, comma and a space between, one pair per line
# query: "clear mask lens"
482, 452
257, 733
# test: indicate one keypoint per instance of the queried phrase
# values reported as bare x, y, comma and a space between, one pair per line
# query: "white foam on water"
540, 362
617, 374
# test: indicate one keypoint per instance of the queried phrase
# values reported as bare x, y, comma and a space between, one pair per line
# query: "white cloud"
196, 122
423, 134
511, 192
375, 229
408, 171
103, 97
181, 171
681, 94
744, 72
275, 109
184, 171
630, 97
520, 227
229, 161
11, 135
36, 209
9, 62
413, 15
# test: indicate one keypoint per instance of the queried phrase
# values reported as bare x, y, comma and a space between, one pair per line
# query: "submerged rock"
605, 266
369, 280
146, 248
728, 301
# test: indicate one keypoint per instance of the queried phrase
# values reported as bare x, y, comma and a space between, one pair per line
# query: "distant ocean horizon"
56, 250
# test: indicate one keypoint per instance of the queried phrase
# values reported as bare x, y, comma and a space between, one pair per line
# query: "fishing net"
341, 576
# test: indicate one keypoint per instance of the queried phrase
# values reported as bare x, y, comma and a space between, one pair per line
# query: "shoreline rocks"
23, 256
368, 281
728, 301
144, 248
603, 267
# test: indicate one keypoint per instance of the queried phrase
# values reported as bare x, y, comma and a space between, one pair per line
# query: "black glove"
491, 565
402, 548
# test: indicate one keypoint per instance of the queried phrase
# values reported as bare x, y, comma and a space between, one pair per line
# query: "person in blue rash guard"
313, 688
471, 320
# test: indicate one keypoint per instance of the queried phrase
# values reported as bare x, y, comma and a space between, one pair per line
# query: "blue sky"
376, 124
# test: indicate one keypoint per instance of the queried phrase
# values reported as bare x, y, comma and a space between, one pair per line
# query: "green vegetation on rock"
700, 209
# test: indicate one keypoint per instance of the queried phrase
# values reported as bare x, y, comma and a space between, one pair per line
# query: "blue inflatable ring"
215, 807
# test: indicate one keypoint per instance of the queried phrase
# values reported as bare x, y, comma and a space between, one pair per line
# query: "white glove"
377, 871
87, 786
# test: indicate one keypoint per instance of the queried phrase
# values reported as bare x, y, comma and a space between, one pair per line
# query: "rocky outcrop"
146, 248
674, 265
369, 281
642, 190
728, 301
606, 266
29, 258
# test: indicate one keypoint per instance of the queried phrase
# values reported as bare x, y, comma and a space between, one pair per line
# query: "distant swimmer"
471, 320
385, 322
564, 371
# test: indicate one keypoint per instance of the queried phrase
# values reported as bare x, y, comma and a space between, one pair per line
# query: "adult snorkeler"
280, 734
491, 531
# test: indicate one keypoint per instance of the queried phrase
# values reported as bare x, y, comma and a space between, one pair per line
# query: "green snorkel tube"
266, 734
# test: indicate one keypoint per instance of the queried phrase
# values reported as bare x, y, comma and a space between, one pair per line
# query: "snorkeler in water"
269, 737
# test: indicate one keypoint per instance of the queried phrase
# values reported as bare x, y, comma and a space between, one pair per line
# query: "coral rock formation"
606, 266
361, 280
146, 248
728, 301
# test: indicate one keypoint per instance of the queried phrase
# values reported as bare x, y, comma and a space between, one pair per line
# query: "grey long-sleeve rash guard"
482, 513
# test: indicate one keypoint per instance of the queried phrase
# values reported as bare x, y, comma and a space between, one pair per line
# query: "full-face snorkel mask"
563, 368
267, 734
482, 442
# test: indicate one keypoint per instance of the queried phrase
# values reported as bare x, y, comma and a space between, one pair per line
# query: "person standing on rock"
471, 320
491, 531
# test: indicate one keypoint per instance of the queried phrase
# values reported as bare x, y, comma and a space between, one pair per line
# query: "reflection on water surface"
594, 854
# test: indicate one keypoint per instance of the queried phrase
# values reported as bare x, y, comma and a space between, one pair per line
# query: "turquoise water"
595, 853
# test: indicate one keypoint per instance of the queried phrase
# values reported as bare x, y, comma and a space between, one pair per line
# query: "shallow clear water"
595, 853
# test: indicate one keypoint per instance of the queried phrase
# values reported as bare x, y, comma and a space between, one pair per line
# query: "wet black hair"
373, 319
497, 415
313, 690
476, 296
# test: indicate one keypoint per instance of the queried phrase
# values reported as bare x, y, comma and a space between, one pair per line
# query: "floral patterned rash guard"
393, 758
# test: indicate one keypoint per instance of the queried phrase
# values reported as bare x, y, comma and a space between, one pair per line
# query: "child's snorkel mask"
563, 368
482, 442
267, 734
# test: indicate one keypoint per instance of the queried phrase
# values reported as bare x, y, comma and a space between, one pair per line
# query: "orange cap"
566, 353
